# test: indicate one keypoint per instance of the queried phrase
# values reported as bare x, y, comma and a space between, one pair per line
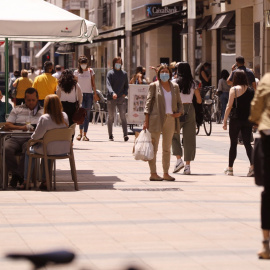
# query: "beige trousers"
167, 135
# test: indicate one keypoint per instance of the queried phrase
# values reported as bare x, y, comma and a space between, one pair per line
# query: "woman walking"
260, 111
69, 91
224, 89
86, 80
240, 97
188, 89
162, 110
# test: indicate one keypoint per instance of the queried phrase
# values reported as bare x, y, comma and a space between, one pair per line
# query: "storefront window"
227, 48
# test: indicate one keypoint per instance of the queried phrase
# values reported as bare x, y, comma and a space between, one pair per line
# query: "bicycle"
216, 107
207, 105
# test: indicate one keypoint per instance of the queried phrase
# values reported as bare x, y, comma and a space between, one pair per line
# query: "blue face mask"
117, 66
164, 77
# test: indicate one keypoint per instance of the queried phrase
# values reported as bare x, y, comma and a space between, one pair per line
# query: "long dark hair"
82, 60
240, 78
224, 74
67, 81
185, 79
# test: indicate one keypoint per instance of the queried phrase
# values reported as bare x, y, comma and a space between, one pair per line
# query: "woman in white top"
52, 118
188, 89
162, 110
69, 92
86, 80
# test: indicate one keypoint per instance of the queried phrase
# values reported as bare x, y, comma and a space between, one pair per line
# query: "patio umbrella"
37, 20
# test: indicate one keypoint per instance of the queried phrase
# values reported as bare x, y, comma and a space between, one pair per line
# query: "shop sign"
25, 59
158, 10
137, 94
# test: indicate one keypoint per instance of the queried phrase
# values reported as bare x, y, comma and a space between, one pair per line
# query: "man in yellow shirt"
45, 83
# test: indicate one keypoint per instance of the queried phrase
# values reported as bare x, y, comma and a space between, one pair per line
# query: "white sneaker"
187, 170
178, 165
228, 171
250, 172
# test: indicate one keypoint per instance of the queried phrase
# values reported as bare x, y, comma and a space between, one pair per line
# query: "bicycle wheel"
207, 123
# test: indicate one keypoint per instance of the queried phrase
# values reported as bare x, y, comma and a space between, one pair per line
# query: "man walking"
45, 83
117, 86
240, 64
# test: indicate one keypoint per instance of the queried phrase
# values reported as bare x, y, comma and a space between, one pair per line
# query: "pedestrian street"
118, 218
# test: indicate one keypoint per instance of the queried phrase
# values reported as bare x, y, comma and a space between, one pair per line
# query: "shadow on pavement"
86, 181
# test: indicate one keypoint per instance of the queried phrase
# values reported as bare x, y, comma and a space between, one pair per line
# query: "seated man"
28, 112
3, 109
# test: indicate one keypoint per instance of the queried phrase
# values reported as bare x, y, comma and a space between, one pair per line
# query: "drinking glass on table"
28, 122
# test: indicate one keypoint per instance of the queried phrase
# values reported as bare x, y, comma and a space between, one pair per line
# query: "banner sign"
137, 94
158, 10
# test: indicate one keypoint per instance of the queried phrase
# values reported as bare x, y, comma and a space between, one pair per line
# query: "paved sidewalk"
203, 221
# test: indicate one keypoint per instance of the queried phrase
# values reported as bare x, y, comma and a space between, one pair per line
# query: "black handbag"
258, 162
233, 113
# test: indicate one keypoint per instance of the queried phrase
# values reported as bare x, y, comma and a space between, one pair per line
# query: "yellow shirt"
22, 84
45, 84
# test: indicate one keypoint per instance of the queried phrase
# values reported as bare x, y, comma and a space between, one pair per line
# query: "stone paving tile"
118, 217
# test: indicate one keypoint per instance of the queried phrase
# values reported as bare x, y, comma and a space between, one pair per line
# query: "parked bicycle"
216, 114
207, 105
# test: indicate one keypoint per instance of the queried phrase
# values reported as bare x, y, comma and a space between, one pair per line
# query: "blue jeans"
224, 100
87, 104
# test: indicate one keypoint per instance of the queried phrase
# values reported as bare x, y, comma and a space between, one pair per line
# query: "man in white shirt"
58, 72
17, 120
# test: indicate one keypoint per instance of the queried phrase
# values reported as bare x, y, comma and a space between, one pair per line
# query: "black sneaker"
15, 179
126, 138
111, 138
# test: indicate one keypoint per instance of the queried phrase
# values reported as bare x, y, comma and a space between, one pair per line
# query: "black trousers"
265, 199
246, 128
69, 108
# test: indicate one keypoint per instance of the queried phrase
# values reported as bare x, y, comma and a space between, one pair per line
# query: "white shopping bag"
144, 149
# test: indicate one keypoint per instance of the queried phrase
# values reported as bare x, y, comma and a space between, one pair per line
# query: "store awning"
144, 26
205, 22
223, 20
185, 29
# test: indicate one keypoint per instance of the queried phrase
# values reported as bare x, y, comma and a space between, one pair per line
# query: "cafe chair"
59, 134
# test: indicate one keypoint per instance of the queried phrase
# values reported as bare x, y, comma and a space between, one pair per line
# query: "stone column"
128, 38
191, 34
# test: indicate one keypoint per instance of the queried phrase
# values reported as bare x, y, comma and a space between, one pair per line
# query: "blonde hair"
53, 107
24, 73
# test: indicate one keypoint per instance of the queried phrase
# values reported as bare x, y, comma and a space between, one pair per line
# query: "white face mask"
83, 66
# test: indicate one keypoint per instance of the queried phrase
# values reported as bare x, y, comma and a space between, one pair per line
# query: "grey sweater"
46, 123
117, 83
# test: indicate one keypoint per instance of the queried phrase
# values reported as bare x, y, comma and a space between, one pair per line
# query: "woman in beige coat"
259, 114
162, 110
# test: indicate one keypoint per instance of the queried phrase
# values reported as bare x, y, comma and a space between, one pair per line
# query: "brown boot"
265, 253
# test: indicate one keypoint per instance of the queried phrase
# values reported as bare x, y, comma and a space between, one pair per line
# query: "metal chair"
61, 134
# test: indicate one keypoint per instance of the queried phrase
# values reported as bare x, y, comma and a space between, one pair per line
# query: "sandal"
22, 187
79, 137
85, 139
43, 186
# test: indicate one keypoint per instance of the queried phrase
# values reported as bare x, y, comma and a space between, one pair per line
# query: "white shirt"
57, 74
84, 79
70, 97
168, 101
187, 98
